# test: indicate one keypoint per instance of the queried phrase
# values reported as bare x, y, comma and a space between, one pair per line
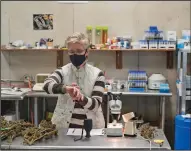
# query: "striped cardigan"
54, 85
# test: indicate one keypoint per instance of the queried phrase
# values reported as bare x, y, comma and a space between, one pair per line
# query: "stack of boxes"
154, 39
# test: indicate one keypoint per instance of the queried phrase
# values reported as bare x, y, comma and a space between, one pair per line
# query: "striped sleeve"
53, 84
93, 102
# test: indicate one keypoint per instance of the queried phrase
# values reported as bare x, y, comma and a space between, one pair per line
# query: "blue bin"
182, 133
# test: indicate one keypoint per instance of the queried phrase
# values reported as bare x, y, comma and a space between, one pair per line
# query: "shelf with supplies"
104, 49
60, 53
183, 82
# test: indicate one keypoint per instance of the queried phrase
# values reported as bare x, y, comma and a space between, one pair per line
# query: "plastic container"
98, 35
127, 42
137, 81
164, 88
182, 133
186, 34
143, 44
180, 43
89, 33
104, 34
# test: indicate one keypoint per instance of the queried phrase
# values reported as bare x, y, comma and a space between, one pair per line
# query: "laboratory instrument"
87, 127
39, 79
115, 129
155, 80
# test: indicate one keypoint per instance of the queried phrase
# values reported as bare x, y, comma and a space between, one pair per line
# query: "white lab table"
36, 95
64, 142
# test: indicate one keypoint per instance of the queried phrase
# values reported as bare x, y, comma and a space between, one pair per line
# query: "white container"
135, 45
171, 35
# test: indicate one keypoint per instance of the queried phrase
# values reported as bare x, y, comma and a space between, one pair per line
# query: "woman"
82, 86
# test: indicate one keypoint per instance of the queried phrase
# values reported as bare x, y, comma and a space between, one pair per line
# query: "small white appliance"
114, 129
40, 81
155, 80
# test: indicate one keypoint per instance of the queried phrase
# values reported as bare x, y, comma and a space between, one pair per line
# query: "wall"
130, 17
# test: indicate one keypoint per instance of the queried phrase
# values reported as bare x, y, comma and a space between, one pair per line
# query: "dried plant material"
30, 133
147, 131
12, 129
46, 130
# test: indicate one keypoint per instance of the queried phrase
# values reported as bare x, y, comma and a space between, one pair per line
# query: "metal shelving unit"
182, 93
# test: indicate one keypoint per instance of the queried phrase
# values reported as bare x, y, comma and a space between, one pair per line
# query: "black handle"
88, 127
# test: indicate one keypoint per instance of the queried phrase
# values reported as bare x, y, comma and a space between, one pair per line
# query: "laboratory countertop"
10, 95
64, 142
44, 94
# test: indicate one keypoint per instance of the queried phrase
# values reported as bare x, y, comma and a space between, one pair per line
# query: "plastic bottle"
104, 34
89, 33
98, 35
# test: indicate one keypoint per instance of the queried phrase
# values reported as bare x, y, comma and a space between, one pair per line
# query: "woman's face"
76, 48
77, 53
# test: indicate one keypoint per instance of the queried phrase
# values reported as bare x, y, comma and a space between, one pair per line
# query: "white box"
153, 44
171, 35
163, 44
171, 45
143, 44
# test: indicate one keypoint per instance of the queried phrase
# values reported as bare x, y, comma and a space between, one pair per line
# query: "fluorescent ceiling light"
73, 2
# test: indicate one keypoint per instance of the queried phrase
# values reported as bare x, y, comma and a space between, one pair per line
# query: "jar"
89, 33
98, 35
104, 34
127, 42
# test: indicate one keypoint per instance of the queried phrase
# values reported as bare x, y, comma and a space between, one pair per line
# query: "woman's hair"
78, 38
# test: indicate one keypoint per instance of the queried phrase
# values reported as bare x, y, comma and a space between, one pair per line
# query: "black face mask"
77, 60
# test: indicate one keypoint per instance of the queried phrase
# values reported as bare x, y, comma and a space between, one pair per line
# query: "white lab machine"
155, 80
115, 129
39, 79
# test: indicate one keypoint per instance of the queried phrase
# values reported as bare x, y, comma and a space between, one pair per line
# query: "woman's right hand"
73, 91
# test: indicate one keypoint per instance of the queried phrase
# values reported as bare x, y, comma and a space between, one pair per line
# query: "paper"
9, 91
128, 116
78, 132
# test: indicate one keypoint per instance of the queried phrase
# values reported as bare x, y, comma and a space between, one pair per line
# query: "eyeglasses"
77, 52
